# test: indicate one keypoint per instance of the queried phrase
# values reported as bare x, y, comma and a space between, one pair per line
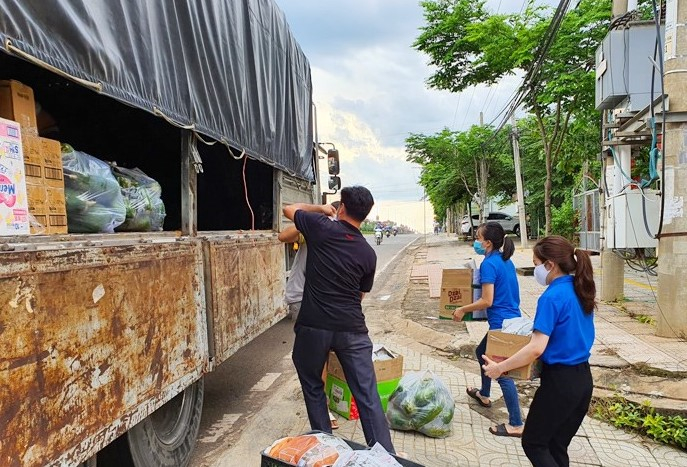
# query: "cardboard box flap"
384, 369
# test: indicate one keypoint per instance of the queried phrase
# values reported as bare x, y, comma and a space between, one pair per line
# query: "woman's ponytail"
508, 248
571, 261
585, 288
493, 231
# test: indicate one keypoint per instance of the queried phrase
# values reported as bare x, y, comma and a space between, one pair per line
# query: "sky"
370, 94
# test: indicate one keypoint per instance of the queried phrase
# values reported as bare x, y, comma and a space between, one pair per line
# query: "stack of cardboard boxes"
42, 161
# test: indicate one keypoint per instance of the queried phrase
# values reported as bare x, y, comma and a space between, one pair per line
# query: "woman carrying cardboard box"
562, 339
501, 298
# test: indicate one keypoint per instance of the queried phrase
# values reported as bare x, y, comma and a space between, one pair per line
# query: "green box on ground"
388, 373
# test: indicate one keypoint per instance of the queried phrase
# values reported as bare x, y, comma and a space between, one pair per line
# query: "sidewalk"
400, 315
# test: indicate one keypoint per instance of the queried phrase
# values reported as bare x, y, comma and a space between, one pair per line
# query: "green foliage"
467, 45
646, 319
643, 419
564, 220
450, 163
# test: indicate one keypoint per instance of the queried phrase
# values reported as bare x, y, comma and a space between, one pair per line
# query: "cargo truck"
110, 334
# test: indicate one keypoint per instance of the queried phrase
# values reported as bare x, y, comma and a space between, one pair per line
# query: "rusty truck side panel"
92, 340
245, 281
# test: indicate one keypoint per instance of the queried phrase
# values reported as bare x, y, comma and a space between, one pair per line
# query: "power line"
467, 112
455, 114
529, 81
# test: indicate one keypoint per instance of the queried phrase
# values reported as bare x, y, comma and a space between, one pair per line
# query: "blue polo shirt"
570, 329
506, 304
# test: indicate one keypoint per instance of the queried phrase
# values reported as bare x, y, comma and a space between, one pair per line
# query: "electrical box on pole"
626, 214
623, 67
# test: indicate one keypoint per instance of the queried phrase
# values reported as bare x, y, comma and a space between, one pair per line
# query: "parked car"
509, 223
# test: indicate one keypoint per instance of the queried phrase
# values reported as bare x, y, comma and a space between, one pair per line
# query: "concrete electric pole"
518, 184
612, 266
672, 250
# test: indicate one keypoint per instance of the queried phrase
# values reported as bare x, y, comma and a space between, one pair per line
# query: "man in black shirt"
340, 269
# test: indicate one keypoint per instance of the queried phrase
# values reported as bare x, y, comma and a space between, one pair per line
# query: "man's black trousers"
354, 351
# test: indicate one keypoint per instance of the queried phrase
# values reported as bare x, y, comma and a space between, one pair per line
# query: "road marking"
265, 382
638, 284
379, 271
220, 428
385, 297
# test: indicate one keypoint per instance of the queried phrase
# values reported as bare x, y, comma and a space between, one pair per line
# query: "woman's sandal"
501, 430
474, 393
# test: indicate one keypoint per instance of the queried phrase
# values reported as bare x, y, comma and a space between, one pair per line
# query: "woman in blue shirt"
562, 339
501, 298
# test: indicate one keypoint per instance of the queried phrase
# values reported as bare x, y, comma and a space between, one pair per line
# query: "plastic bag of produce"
423, 403
145, 211
93, 196
311, 450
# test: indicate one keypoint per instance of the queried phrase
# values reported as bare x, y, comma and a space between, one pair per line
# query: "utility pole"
482, 179
612, 266
672, 249
424, 211
518, 183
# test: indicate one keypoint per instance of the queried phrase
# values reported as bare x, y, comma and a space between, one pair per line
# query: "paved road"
244, 383
389, 248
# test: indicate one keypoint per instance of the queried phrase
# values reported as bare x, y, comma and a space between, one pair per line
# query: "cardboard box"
45, 185
51, 162
17, 104
14, 211
38, 210
341, 400
36, 198
56, 209
43, 161
456, 291
501, 345
31, 150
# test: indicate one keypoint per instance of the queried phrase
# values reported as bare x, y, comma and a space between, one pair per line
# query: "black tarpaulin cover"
231, 68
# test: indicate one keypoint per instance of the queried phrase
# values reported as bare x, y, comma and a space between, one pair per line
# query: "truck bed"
99, 331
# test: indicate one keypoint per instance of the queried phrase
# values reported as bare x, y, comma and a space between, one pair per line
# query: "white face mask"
540, 273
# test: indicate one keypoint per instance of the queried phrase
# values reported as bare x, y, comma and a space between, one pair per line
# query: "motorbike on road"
378, 237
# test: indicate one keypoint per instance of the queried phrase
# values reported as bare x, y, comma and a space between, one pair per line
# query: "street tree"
461, 167
469, 45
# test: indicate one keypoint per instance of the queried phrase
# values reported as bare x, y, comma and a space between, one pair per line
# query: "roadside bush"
564, 221
642, 419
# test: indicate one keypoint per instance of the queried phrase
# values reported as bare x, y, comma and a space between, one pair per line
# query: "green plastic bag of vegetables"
423, 403
145, 211
93, 197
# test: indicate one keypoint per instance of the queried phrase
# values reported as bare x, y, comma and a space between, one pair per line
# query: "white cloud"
369, 88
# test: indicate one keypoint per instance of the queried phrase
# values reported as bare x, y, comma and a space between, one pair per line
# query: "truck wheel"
167, 436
